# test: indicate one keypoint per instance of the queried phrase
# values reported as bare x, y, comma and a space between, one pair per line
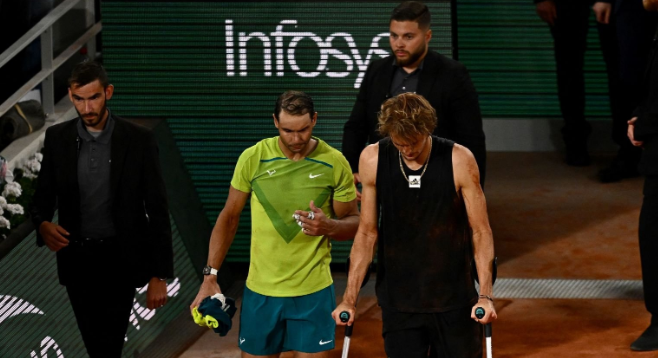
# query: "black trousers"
448, 334
570, 39
102, 298
648, 233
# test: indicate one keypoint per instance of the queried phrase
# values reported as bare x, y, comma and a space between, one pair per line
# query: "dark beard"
101, 113
412, 58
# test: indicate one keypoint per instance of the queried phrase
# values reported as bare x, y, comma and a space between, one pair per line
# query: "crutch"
479, 313
345, 316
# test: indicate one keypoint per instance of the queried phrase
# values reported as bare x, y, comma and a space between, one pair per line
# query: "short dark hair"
295, 103
87, 72
412, 11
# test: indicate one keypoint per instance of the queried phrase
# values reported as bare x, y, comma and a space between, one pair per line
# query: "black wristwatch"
209, 271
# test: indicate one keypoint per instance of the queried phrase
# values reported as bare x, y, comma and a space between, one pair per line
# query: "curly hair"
406, 115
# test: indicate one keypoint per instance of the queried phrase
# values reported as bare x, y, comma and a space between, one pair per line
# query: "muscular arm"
366, 235
225, 227
221, 239
467, 182
346, 222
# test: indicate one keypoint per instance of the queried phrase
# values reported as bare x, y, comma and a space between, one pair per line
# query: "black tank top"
425, 250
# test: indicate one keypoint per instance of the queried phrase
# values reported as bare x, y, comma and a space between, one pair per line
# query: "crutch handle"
479, 313
345, 317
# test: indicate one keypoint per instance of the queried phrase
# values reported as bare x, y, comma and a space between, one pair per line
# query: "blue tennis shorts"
271, 325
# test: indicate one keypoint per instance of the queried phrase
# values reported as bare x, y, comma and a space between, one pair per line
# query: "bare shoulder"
464, 166
462, 155
368, 163
370, 152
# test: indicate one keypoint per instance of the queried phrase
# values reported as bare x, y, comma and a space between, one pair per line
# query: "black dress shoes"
648, 341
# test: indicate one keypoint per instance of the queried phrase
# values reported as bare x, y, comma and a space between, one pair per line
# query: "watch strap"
209, 270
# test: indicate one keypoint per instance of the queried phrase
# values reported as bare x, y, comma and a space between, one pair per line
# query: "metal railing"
44, 29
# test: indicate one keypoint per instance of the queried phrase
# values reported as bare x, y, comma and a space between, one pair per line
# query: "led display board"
215, 69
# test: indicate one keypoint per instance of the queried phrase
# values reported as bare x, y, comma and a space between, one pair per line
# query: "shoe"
577, 158
575, 134
617, 171
648, 341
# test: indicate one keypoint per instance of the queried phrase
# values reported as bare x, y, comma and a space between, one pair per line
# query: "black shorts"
451, 334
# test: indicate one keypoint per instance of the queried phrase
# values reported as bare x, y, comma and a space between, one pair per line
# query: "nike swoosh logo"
313, 177
323, 343
242, 340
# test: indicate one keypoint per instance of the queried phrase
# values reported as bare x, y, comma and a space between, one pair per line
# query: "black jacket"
139, 199
646, 127
444, 82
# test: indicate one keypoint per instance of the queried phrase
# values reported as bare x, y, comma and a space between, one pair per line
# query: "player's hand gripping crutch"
479, 313
345, 316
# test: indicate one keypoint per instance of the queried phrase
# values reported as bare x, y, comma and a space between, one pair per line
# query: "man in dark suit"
635, 27
625, 37
102, 174
643, 132
569, 25
445, 83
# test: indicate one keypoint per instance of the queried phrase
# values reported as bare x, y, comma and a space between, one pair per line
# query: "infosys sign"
338, 45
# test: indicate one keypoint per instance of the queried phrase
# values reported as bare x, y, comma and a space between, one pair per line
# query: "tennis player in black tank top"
421, 198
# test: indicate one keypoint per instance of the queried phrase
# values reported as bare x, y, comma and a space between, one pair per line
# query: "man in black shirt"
421, 194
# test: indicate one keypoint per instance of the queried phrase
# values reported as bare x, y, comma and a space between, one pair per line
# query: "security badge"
414, 181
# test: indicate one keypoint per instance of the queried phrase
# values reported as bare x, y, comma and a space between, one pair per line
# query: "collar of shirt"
106, 133
418, 69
